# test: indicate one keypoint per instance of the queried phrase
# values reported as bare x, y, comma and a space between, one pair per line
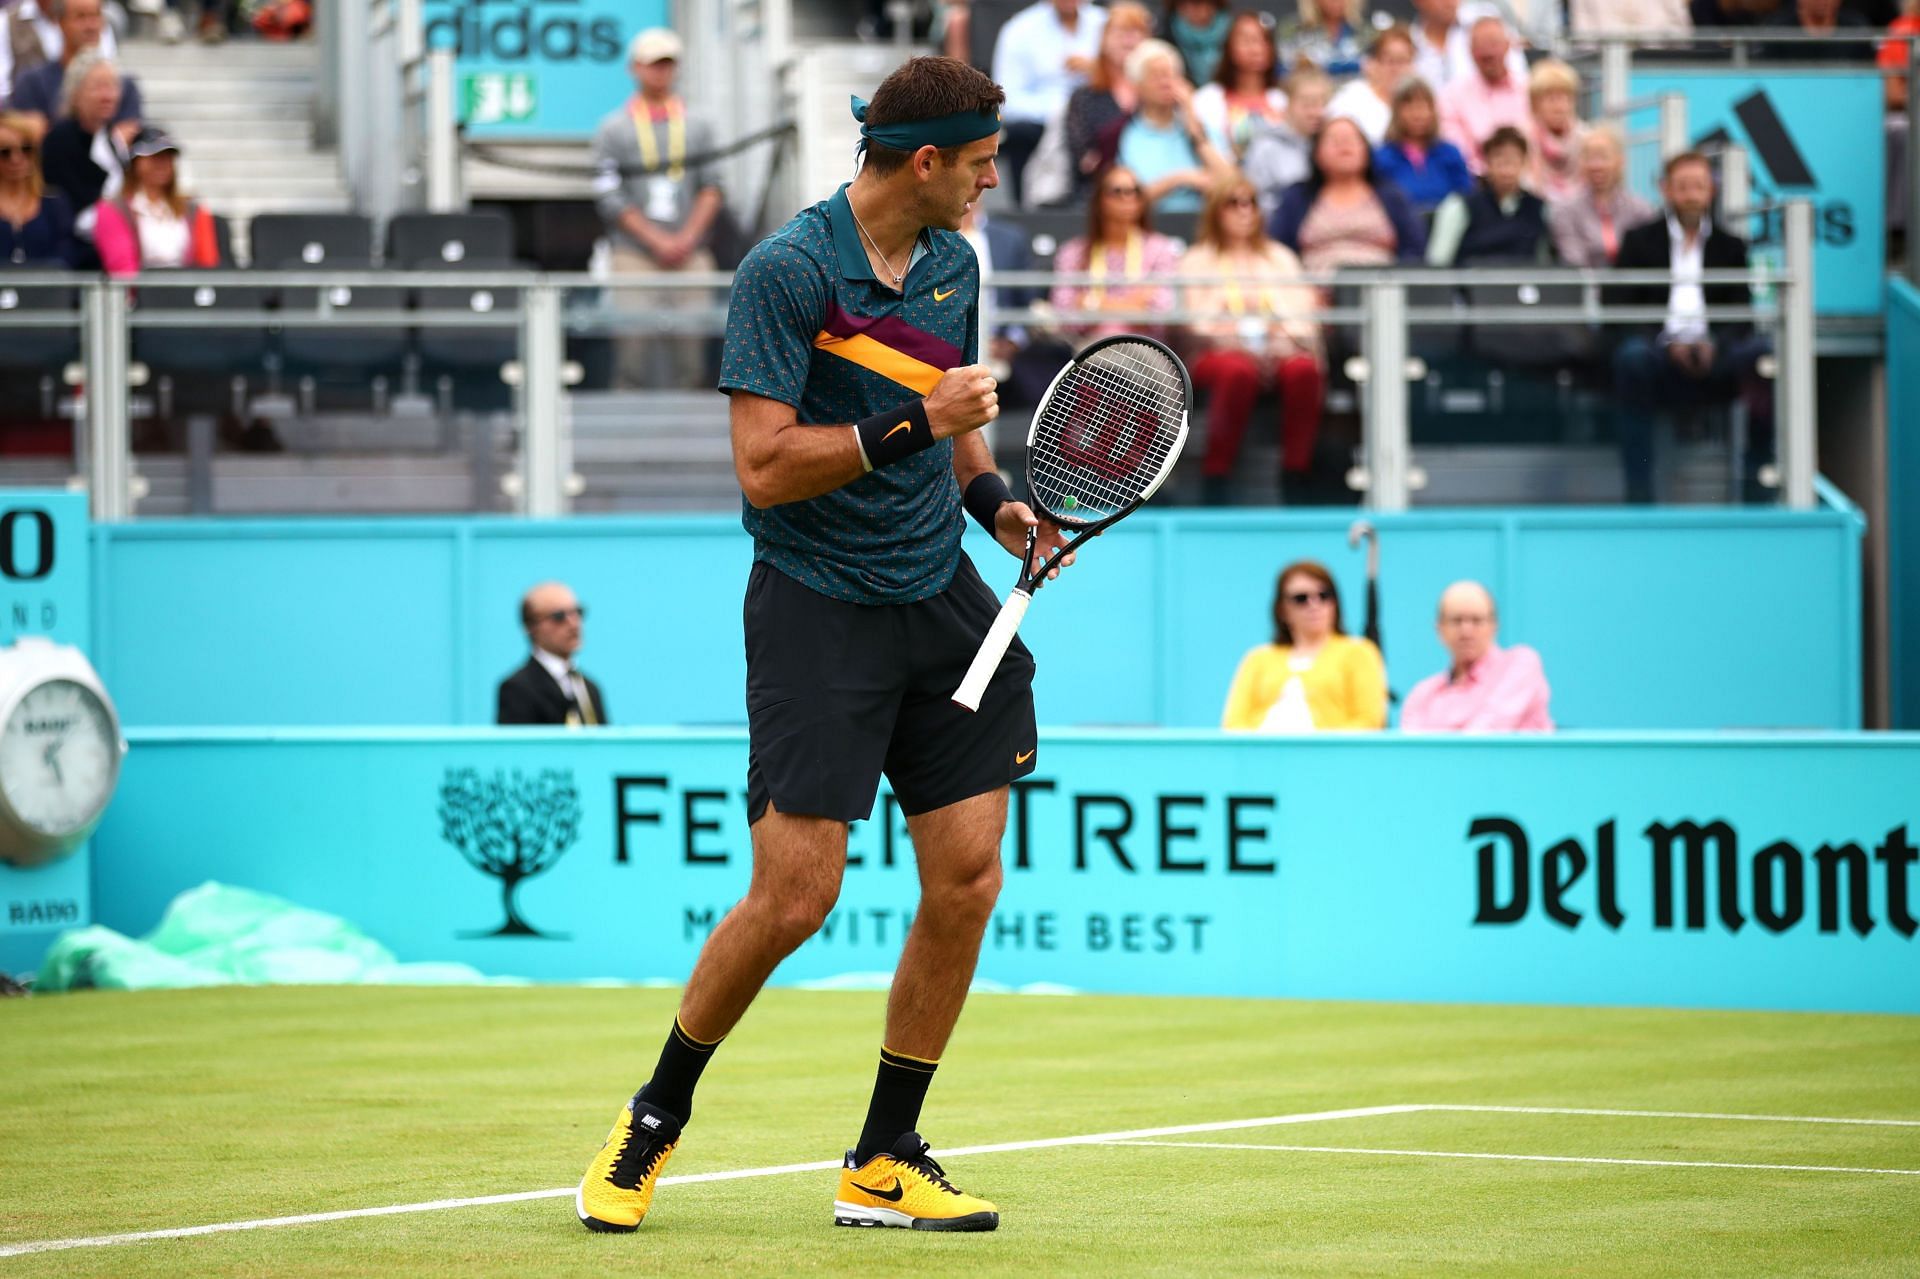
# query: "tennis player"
856, 406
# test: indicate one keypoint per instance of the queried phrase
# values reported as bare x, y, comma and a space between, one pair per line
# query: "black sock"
674, 1077
898, 1092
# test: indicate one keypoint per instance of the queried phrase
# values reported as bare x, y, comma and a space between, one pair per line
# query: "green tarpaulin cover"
218, 935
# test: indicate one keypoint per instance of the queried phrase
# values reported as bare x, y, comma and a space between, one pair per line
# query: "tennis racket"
1104, 438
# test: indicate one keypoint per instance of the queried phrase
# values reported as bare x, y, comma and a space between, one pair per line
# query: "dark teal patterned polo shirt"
810, 326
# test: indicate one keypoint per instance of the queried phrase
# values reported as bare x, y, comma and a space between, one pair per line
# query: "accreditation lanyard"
650, 145
1236, 303
1135, 257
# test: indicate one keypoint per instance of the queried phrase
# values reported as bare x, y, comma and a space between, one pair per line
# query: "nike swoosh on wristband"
938, 296
904, 426
891, 1196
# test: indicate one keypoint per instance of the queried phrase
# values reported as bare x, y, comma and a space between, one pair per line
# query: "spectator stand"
1404, 318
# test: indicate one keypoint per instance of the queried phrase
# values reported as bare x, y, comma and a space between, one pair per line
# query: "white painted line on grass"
1090, 1139
1673, 1114
1537, 1159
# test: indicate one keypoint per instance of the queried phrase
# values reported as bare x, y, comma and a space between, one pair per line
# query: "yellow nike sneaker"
618, 1188
904, 1187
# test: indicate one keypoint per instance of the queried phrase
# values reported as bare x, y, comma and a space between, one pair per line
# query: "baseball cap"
151, 141
655, 44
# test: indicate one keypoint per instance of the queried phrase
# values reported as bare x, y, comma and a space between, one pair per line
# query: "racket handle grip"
992, 649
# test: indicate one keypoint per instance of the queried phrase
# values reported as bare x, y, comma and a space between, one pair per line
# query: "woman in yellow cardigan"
1314, 675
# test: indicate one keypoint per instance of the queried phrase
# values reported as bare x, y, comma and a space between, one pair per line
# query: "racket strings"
1106, 432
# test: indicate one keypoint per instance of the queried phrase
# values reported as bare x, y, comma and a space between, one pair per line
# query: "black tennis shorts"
839, 693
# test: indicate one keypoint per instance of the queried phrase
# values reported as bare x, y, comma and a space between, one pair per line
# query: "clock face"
58, 757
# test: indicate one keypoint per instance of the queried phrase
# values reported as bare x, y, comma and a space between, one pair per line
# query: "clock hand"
52, 758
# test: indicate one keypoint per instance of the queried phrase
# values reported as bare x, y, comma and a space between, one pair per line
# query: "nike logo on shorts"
1021, 759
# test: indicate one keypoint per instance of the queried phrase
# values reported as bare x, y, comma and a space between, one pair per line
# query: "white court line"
1538, 1159
1089, 1139
1673, 1114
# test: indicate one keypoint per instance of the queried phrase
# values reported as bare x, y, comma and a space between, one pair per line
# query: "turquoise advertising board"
539, 68
45, 589
1686, 870
1812, 135
1646, 619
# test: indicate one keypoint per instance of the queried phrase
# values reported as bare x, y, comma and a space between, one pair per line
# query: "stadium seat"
38, 348
290, 241
1551, 346
1048, 229
341, 352
449, 240
198, 365
31, 359
1434, 343
455, 242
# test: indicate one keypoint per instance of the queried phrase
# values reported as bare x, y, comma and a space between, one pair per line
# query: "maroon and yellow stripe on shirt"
889, 346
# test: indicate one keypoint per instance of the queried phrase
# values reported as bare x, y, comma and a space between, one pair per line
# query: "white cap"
655, 44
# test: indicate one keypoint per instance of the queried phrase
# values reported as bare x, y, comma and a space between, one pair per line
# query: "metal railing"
536, 308
390, 101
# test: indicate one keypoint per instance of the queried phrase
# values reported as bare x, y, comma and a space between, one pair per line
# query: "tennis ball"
1072, 501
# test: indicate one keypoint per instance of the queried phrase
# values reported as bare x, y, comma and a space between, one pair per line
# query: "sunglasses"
560, 615
1125, 193
25, 149
1300, 599
1239, 202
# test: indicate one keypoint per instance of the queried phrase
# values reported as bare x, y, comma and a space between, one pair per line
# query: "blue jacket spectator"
1425, 178
1426, 167
1345, 215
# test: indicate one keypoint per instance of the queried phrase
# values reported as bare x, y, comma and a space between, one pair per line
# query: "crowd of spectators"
86, 180
1333, 139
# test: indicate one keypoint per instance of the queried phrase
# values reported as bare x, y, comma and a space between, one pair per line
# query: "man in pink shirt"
1488, 688
1473, 106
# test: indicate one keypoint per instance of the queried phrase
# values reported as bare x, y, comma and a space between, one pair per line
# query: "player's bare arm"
778, 459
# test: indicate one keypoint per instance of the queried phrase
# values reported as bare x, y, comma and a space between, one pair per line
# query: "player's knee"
798, 916
970, 899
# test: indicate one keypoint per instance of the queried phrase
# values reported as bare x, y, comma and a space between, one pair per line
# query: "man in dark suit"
1685, 361
550, 689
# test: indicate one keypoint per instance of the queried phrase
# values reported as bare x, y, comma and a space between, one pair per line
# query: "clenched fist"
965, 399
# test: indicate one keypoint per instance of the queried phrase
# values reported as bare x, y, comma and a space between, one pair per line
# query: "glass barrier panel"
40, 403
648, 430
342, 393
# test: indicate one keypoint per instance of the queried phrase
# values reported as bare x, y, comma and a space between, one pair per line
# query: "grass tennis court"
126, 1113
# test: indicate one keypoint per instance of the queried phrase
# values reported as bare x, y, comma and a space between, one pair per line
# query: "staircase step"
231, 113
247, 55
243, 114
260, 139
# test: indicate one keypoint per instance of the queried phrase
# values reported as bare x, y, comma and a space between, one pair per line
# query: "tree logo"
512, 828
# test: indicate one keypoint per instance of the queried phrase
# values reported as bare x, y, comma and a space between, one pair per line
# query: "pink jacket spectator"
116, 236
1471, 109
1152, 254
1505, 691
